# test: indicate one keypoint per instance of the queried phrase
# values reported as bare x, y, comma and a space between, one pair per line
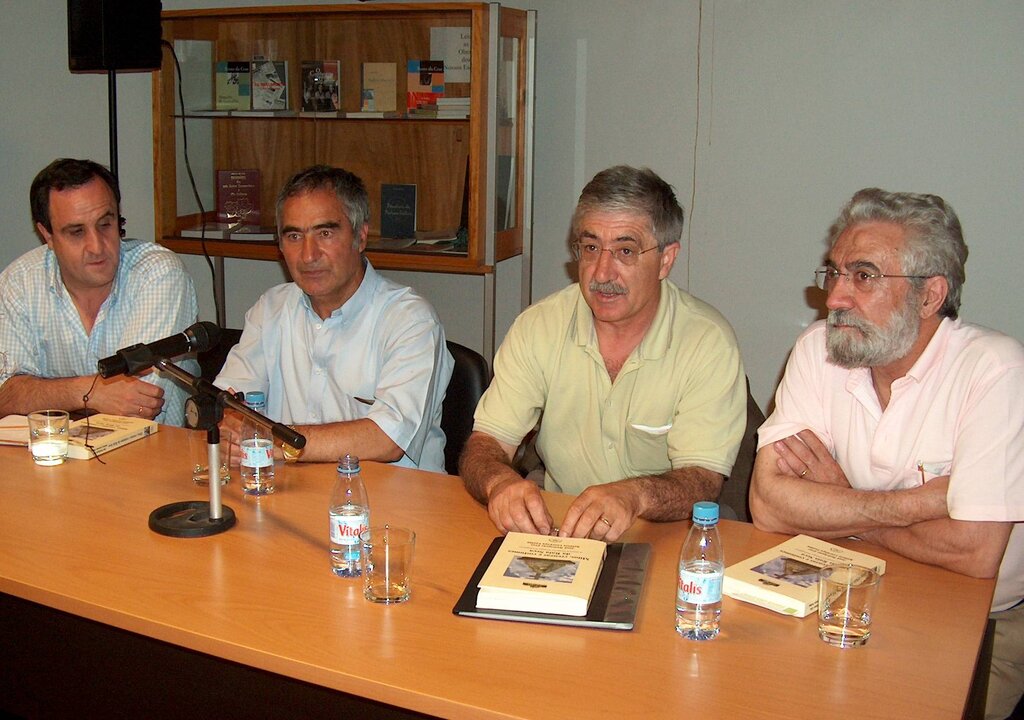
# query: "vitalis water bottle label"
345, 529
700, 587
257, 454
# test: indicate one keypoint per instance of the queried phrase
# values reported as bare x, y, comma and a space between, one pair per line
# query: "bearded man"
897, 422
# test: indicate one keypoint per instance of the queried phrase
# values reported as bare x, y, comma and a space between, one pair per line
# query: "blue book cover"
397, 211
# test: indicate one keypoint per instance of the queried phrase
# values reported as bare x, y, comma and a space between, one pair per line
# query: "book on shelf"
321, 87
238, 196
252, 233
425, 83
785, 578
542, 573
372, 114
104, 433
264, 113
212, 230
454, 46
269, 89
232, 85
397, 210
380, 87
230, 231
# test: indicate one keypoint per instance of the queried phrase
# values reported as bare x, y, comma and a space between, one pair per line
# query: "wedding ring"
606, 521
804, 472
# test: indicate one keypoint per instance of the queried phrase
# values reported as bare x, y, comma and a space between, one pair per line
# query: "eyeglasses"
863, 281
589, 252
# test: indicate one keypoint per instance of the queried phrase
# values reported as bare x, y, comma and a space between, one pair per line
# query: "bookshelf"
472, 173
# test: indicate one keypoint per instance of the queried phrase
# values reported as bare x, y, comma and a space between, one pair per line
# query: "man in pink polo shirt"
901, 424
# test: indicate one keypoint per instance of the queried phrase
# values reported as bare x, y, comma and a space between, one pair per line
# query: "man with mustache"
638, 386
901, 424
358, 363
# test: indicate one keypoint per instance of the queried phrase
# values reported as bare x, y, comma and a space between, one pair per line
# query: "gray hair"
348, 187
637, 190
934, 242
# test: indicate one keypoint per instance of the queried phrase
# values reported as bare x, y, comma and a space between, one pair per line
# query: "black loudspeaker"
113, 35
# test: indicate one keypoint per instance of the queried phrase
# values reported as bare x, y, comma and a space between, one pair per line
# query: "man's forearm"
967, 547
483, 463
361, 438
22, 394
670, 496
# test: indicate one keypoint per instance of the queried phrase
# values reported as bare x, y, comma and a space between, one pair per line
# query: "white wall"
800, 104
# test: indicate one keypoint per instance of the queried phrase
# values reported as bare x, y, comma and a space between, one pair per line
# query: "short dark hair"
62, 174
639, 190
934, 240
347, 186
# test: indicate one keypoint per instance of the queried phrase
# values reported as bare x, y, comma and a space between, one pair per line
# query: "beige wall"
800, 104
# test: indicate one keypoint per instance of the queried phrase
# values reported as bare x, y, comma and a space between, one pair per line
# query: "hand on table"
516, 505
602, 512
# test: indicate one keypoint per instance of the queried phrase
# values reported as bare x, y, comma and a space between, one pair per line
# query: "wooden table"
75, 538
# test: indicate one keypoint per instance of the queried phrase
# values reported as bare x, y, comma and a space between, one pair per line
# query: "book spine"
78, 450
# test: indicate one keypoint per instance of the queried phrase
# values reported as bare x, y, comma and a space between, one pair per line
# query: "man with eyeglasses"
638, 386
901, 424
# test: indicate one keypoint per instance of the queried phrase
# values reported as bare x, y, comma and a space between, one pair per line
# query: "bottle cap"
255, 397
348, 464
705, 512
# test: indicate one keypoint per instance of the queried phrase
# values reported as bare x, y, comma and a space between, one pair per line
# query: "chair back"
737, 485
212, 360
470, 377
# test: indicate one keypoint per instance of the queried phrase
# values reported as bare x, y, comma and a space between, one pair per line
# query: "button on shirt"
679, 399
41, 332
381, 355
957, 412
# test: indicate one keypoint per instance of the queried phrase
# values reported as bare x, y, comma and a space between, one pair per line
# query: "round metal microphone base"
190, 518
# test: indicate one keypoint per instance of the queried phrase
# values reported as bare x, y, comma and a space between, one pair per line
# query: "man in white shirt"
358, 363
82, 296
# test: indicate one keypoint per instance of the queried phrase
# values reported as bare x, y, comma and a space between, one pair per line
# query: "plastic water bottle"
349, 516
701, 567
257, 461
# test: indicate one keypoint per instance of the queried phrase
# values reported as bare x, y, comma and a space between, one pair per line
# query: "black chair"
737, 486
470, 377
212, 360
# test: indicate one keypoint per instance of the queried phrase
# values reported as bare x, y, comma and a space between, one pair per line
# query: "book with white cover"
785, 578
542, 573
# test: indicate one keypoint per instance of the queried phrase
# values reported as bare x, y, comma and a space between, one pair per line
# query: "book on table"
585, 582
785, 578
101, 432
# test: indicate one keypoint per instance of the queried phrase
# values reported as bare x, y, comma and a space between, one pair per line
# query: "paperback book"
321, 87
397, 210
101, 433
425, 83
232, 86
785, 578
542, 573
269, 84
380, 88
238, 196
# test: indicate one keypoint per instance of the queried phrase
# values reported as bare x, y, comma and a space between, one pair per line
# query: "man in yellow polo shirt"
639, 386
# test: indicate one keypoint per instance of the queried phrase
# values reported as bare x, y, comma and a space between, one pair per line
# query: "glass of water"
48, 436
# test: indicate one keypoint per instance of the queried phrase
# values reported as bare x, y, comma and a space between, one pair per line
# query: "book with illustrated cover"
238, 196
269, 89
104, 433
232, 86
321, 87
397, 211
542, 573
425, 83
785, 578
380, 87
612, 605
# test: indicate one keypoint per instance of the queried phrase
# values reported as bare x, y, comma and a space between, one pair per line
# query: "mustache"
846, 317
607, 288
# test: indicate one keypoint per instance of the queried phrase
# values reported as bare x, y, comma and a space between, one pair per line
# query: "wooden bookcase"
463, 169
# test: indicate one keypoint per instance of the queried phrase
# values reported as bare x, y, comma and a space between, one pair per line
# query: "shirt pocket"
647, 448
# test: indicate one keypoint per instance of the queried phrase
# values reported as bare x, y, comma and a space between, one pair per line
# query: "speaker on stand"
107, 36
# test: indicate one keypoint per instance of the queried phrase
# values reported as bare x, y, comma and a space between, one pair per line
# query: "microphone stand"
204, 411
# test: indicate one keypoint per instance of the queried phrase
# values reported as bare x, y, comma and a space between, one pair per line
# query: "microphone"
130, 360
